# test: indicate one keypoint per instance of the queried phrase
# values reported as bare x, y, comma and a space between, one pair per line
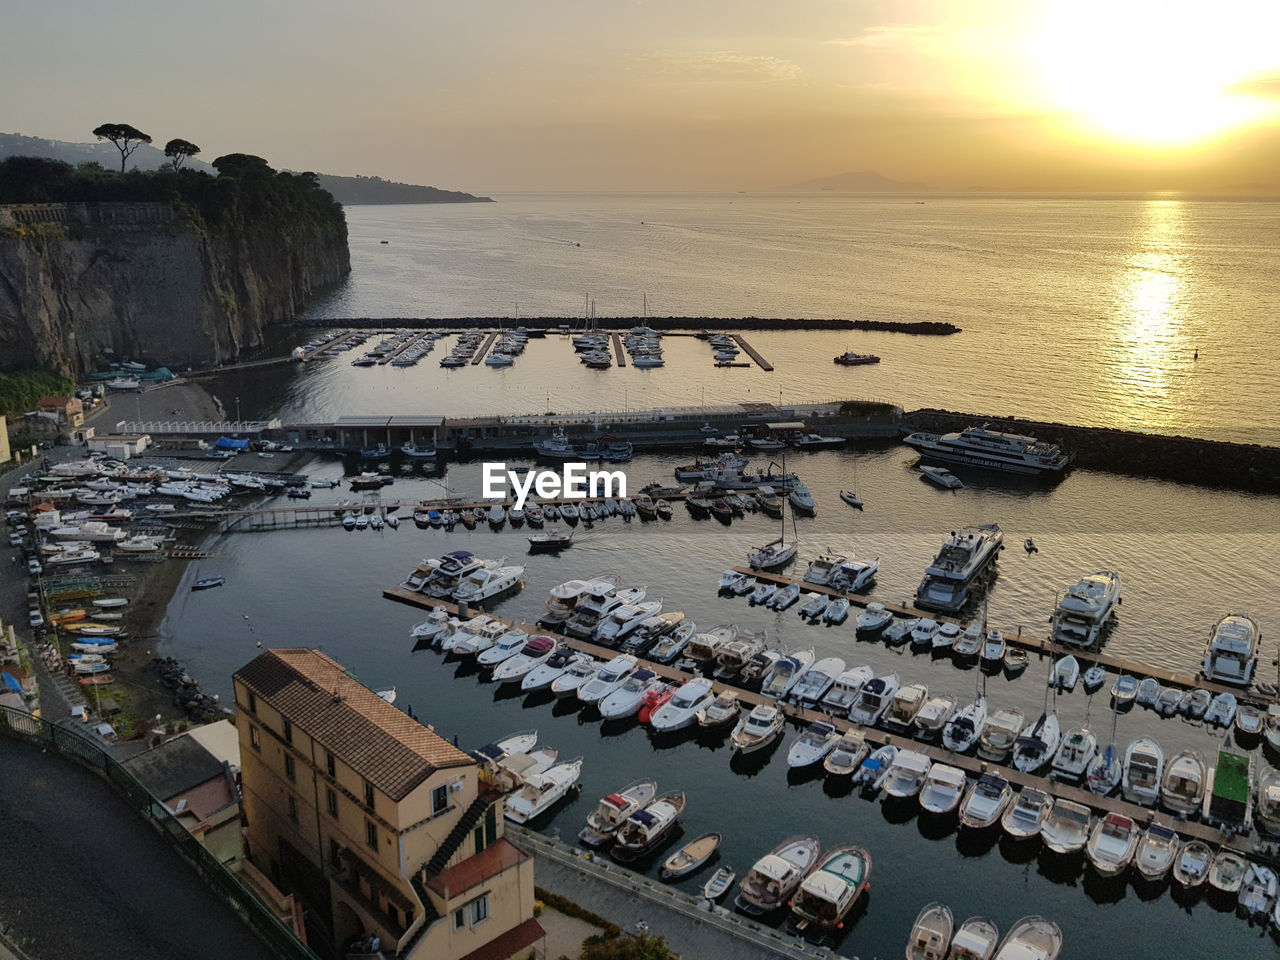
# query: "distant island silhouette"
860, 181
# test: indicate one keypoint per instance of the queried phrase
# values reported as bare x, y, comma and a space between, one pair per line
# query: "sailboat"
851, 496
1103, 772
777, 553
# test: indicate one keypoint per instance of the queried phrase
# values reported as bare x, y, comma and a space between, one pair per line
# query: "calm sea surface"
1085, 311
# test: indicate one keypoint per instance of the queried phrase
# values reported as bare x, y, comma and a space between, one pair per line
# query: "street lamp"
237, 409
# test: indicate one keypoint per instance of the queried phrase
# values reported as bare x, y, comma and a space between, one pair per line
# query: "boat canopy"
229, 443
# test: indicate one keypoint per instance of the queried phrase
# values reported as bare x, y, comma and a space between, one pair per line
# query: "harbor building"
389, 834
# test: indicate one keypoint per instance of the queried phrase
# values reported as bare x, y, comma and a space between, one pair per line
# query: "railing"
69, 742
135, 427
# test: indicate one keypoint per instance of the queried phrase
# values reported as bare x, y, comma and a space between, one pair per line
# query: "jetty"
753, 353
618, 351
484, 349
411, 342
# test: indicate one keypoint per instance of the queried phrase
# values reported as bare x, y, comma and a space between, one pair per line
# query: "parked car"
34, 568
36, 619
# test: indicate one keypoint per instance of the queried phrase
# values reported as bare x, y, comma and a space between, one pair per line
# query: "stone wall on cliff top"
149, 280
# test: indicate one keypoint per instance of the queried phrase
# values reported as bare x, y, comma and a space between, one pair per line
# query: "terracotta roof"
510, 943
473, 871
315, 693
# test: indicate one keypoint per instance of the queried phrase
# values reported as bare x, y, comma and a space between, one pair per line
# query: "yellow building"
381, 826
4, 441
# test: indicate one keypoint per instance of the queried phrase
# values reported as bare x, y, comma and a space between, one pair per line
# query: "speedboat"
827, 895
762, 592
946, 635
487, 583
999, 733
608, 678
628, 698
941, 477
1094, 678
874, 699
671, 645
904, 706
574, 676
1191, 866
1156, 851
856, 576
814, 683
1085, 608
1222, 710
985, 802
1066, 673
1143, 766
962, 730
931, 933
1075, 752
933, 716
644, 830
975, 940
812, 745
537, 651
1183, 785
542, 676
814, 605
542, 790
438, 622
690, 857
722, 711
1231, 653
871, 775
801, 499
849, 751
943, 789
837, 610
1112, 844
784, 674
1228, 870
843, 694
1031, 938
785, 596
1066, 828
873, 620
1257, 891
1125, 689
622, 620
682, 709
757, 729
613, 810
775, 876
1028, 814
907, 774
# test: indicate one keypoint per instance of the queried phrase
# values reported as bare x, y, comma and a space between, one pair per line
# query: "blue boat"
208, 582
379, 452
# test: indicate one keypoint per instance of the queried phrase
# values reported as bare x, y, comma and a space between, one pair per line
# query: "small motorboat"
614, 808
690, 857
1030, 546
1257, 891
975, 940
1094, 678
904, 706
776, 875
999, 733
550, 540
1192, 864
1031, 938
1066, 673
907, 774
1074, 755
1015, 661
1227, 873
1195, 702
814, 605
942, 477
1125, 689
812, 746
785, 597
871, 775
1028, 814
1156, 852
1112, 844
837, 611
969, 643
719, 884
828, 894
849, 751
943, 789
1183, 784
993, 647
1250, 720
721, 712
964, 728
1222, 710
761, 727
1066, 828
208, 582
852, 499
931, 933
874, 619
762, 593
986, 802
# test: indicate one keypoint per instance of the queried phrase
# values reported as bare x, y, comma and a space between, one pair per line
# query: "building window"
371, 835
479, 909
288, 732
255, 738
330, 767
478, 837
335, 853
331, 802
440, 799
253, 703
460, 918
393, 914
289, 769
293, 809
368, 794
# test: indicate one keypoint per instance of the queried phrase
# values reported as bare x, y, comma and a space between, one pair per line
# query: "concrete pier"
618, 351
484, 349
761, 362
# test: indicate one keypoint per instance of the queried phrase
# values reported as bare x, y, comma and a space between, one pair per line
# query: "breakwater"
1212, 463
924, 328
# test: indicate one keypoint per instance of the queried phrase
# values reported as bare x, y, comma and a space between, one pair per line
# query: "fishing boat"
208, 582
644, 830
829, 894
1192, 864
1183, 785
774, 877
931, 933
690, 857
986, 802
871, 775
1112, 844
999, 733
1028, 814
613, 810
975, 940
758, 729
1031, 938
722, 711
1066, 828
943, 789
1143, 767
719, 884
993, 647
1227, 872
907, 774
1156, 851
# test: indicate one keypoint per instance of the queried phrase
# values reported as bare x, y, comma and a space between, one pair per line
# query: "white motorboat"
814, 605
931, 718
1126, 689
931, 933
623, 620
873, 619
1231, 654
775, 876
907, 774
1195, 702
1066, 674
574, 676
562, 599
1094, 678
516, 744
722, 711
856, 576
671, 645
544, 675
509, 645
922, 633
812, 745
964, 556
851, 498
802, 500
943, 789
829, 894
438, 623
608, 678
837, 610
814, 683
1143, 768
467, 629
941, 477
758, 729
1257, 891
1192, 864
541, 791
993, 647
1066, 828
944, 638
871, 775
784, 673
1031, 938
976, 939
874, 699
487, 583
899, 631
1077, 750
762, 592
1183, 784
1028, 814
1085, 608
481, 640
904, 706
1148, 694
1250, 721
538, 650
1226, 875
600, 599
986, 802
1156, 852
999, 733
963, 729
843, 694
682, 709
785, 596
627, 699
731, 579
1222, 710
849, 751
969, 643
1112, 844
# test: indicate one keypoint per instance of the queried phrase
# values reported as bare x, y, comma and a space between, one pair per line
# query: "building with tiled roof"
377, 823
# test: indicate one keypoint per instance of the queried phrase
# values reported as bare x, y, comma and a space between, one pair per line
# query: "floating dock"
484, 349
617, 349
412, 341
754, 354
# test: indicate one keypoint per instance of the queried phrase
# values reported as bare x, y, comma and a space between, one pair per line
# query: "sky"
493, 96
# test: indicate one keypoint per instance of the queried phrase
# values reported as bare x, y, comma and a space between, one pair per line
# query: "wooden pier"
761, 362
335, 342
972, 765
484, 349
412, 341
617, 349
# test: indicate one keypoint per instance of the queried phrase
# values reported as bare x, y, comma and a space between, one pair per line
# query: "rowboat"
690, 857
208, 582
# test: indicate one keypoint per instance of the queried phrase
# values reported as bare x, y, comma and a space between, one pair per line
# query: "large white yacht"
991, 450
1084, 609
963, 556
1232, 651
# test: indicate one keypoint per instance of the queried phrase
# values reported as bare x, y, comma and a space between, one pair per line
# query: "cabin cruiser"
1085, 608
542, 790
822, 568
1112, 844
1037, 744
628, 698
975, 940
504, 648
608, 678
843, 694
933, 716
849, 751
575, 675
931, 933
962, 558
828, 895
814, 683
1183, 784
645, 829
986, 801
944, 638
904, 706
993, 648
1031, 938
873, 620
1143, 767
992, 450
1222, 710
564, 598
855, 576
962, 730
682, 709
601, 598
922, 633
906, 774
732, 655
623, 620
671, 645
1231, 654
761, 727
722, 711
757, 668
999, 733
943, 789
784, 674
544, 675
1156, 851
537, 651
1028, 814
812, 745
874, 699
1074, 754
775, 876
476, 642
429, 630
1066, 828
487, 583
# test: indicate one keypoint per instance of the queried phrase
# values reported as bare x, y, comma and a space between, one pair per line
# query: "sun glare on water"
1157, 74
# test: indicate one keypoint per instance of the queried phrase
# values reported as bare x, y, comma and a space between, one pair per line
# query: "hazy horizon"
570, 96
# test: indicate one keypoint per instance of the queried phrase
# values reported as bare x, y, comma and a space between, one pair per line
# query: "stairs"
470, 817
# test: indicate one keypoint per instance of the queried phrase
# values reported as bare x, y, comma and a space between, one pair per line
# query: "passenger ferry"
963, 556
991, 450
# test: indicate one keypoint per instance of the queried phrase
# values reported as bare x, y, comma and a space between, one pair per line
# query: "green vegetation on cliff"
22, 389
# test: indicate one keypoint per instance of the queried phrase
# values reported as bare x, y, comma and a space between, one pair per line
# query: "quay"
617, 349
972, 765
754, 354
484, 349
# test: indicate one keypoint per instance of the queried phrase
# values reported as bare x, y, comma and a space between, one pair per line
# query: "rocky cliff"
192, 281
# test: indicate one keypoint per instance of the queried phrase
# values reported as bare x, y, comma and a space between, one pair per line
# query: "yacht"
962, 730
906, 774
775, 876
1074, 755
608, 678
822, 568
574, 676
488, 583
931, 933
1182, 786
999, 733
504, 648
784, 674
563, 598
1143, 767
933, 716
544, 675
1085, 608
904, 706
855, 576
849, 751
538, 650
542, 790
600, 599
816, 441
1037, 743
1031, 938
1028, 814
614, 809
1231, 654
814, 683
873, 620
962, 558
801, 499
644, 830
1112, 844
843, 694
874, 699
628, 698
943, 789
623, 620
991, 450
986, 802
1156, 852
829, 894
682, 709
941, 477
1066, 828
755, 731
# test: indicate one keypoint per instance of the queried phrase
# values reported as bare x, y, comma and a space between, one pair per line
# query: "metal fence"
18, 724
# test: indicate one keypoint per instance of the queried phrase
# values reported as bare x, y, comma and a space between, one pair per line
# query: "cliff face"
152, 280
